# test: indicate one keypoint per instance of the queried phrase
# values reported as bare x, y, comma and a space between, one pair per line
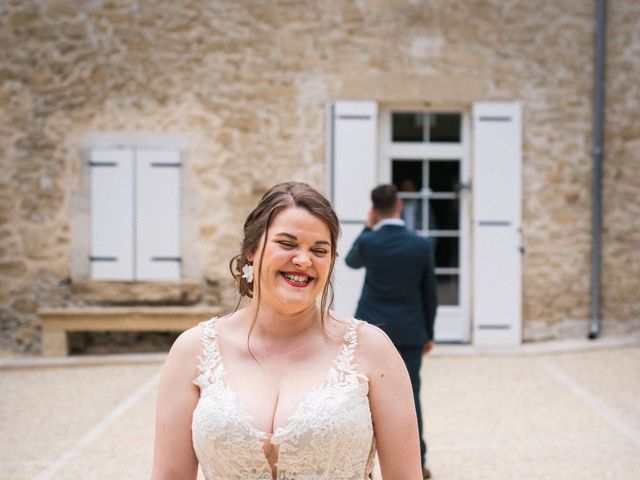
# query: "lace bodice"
329, 435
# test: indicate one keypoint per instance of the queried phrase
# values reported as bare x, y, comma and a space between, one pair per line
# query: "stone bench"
56, 322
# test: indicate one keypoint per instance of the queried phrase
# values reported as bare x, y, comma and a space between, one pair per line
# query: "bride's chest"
324, 410
329, 435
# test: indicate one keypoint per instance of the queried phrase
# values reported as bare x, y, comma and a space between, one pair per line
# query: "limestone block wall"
621, 179
244, 83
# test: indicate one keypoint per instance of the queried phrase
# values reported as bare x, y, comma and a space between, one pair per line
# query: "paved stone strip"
98, 429
569, 345
611, 417
502, 446
26, 463
82, 360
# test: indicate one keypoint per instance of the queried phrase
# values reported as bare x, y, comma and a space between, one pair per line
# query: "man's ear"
399, 205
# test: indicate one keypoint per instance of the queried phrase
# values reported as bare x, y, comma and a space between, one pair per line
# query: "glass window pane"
447, 251
444, 127
444, 176
412, 213
447, 289
407, 175
444, 214
407, 127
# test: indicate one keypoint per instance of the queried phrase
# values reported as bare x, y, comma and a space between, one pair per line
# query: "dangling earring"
247, 273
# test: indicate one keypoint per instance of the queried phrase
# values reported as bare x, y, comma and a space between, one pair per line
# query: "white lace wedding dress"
329, 436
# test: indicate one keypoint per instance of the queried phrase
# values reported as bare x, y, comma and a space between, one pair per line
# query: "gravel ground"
561, 410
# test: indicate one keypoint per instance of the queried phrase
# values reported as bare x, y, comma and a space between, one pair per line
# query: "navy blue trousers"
412, 357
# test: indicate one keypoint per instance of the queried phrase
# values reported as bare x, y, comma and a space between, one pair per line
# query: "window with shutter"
135, 214
427, 154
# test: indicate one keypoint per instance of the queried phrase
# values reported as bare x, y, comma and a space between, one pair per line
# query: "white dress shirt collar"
389, 221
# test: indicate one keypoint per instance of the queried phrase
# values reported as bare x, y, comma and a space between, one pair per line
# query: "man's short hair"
384, 198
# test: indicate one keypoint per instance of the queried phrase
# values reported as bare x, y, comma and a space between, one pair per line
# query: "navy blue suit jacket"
399, 292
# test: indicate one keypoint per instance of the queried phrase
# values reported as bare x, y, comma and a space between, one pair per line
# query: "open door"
351, 177
497, 223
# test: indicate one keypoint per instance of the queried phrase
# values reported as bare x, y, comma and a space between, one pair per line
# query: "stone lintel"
411, 89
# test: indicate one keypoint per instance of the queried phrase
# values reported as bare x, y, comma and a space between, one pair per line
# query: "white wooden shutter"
112, 214
352, 175
158, 214
497, 217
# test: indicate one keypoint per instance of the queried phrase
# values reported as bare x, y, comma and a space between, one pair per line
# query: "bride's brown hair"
277, 198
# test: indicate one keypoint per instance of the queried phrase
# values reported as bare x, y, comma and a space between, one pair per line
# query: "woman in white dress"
285, 388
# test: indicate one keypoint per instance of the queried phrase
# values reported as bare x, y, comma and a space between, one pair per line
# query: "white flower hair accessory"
247, 272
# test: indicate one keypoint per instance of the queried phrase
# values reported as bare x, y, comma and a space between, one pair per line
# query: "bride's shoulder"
376, 351
191, 341
188, 342
372, 341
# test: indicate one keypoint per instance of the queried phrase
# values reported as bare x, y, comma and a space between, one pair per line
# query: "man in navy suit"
399, 292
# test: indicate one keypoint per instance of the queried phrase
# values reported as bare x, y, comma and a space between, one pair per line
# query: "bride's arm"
392, 408
174, 457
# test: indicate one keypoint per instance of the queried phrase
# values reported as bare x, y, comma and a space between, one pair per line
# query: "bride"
285, 388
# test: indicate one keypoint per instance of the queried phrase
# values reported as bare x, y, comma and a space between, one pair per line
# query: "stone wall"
621, 179
245, 84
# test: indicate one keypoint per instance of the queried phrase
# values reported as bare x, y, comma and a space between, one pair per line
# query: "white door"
497, 219
425, 154
351, 175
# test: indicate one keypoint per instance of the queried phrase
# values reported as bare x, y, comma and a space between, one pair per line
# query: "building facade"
136, 136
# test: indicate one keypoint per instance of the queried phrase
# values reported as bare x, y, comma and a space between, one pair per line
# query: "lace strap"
351, 336
345, 362
209, 359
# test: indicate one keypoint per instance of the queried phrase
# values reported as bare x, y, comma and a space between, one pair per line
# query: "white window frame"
419, 151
